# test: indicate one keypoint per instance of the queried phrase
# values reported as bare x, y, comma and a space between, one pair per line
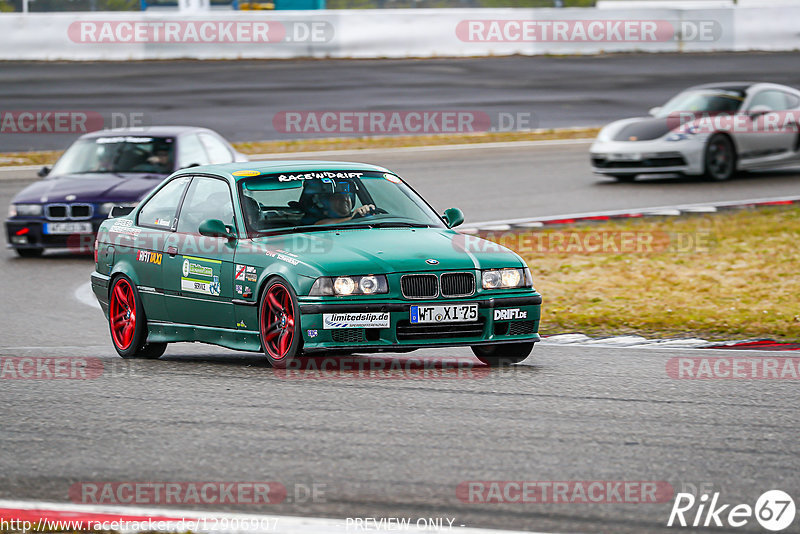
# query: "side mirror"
44, 171
120, 211
453, 217
215, 228
757, 111
655, 111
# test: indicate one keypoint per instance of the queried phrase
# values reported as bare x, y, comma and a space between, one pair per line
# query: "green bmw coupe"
295, 257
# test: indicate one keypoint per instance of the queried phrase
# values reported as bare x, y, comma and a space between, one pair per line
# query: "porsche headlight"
685, 133
342, 286
506, 278
25, 210
604, 135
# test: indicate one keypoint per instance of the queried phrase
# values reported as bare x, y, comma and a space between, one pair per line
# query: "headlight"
604, 135
350, 285
30, 210
506, 278
106, 207
686, 133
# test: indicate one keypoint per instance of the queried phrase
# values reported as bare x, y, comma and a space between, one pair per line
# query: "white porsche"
711, 130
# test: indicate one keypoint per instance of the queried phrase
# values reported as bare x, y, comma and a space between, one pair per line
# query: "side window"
217, 151
159, 212
207, 198
191, 151
792, 101
774, 100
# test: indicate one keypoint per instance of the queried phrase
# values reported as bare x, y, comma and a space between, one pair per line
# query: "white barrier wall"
392, 33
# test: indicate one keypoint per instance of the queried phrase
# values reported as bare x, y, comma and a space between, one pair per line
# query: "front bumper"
648, 157
489, 328
29, 233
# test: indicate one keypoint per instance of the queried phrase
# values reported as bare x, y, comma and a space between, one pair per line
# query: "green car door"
198, 270
154, 225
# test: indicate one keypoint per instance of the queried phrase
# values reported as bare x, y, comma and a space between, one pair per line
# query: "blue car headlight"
25, 210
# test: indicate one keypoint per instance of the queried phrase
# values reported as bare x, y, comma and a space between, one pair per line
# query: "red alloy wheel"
122, 314
277, 321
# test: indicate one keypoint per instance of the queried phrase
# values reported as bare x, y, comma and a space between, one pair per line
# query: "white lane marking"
85, 295
247, 523
432, 148
581, 340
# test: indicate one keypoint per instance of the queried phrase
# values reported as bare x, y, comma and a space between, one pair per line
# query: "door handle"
172, 251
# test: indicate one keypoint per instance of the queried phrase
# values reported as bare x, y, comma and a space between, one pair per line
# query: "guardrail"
393, 33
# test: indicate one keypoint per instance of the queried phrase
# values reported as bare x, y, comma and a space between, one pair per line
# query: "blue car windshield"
332, 198
116, 154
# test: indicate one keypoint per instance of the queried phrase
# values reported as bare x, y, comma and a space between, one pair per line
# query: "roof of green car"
271, 167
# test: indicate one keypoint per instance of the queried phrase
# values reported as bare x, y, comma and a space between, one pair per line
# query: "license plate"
625, 157
68, 228
451, 313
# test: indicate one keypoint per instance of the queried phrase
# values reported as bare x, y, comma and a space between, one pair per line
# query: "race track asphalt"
241, 98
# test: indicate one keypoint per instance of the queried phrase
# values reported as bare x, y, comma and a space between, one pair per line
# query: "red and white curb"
14, 515
527, 223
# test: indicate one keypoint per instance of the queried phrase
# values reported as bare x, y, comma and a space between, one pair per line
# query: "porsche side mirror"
655, 111
215, 228
44, 171
453, 217
757, 111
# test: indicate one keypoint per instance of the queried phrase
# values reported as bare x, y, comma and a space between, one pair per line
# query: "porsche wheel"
720, 158
502, 355
279, 323
128, 324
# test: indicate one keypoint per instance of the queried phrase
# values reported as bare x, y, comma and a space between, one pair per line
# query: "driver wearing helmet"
326, 203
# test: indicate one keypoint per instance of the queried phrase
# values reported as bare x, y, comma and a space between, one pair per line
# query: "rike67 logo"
774, 510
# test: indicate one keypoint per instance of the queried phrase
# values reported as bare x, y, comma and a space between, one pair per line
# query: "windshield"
116, 154
712, 101
332, 199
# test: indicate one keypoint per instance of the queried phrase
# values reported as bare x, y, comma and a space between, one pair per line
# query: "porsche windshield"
116, 154
713, 101
332, 198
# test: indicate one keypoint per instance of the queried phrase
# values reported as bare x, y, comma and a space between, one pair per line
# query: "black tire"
502, 355
285, 321
135, 347
29, 252
720, 158
624, 177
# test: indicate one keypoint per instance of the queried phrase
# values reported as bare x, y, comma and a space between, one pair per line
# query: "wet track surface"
400, 446
378, 447
240, 99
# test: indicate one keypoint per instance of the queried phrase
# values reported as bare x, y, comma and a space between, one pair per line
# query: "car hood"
384, 250
90, 188
642, 128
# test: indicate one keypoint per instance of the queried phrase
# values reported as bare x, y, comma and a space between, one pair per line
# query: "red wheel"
122, 314
279, 323
128, 324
